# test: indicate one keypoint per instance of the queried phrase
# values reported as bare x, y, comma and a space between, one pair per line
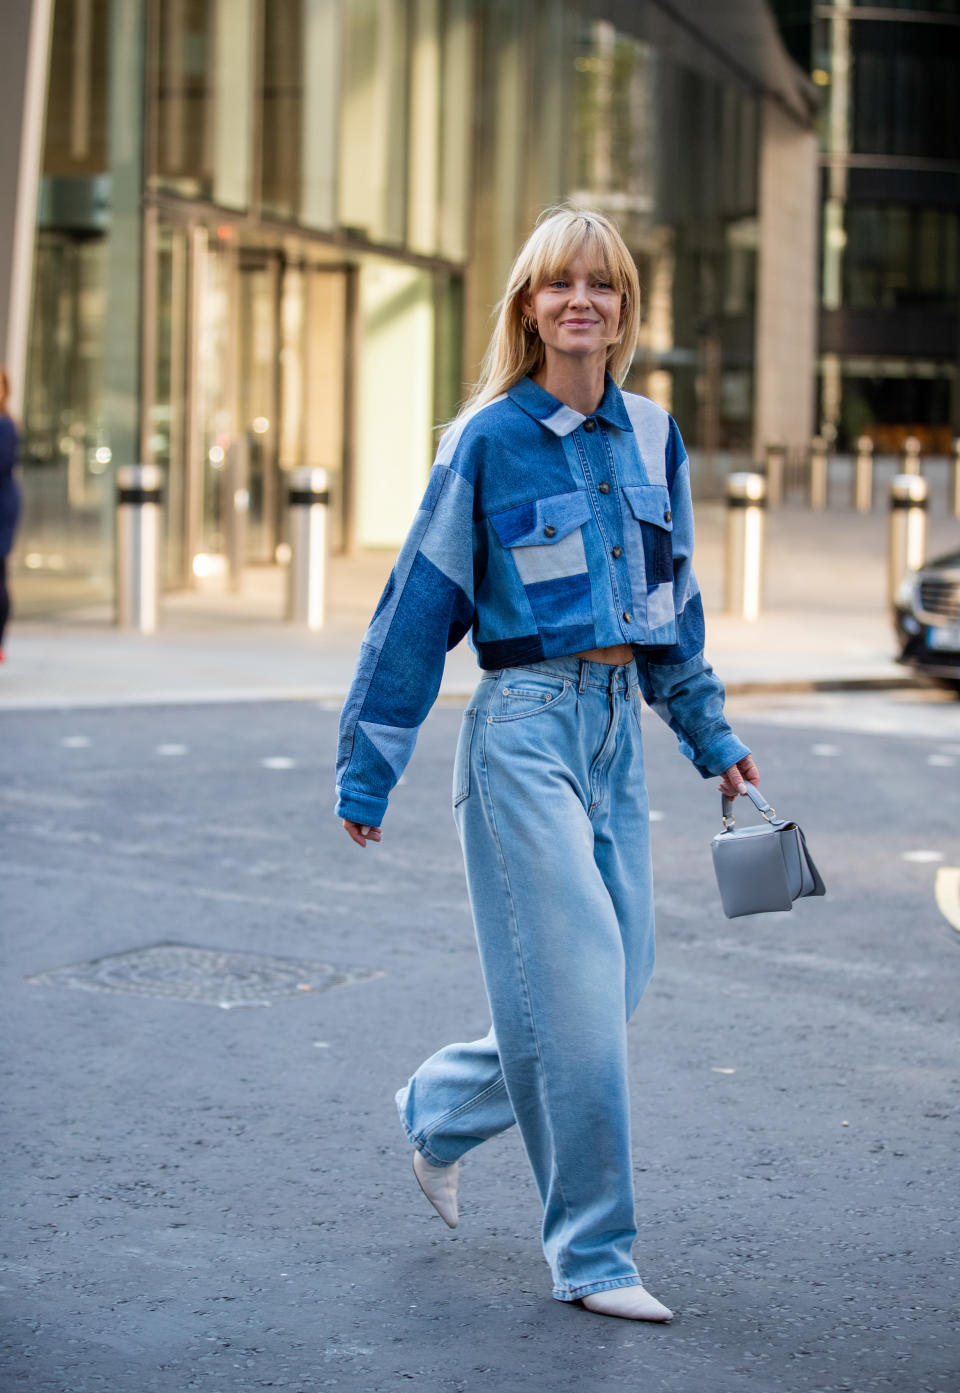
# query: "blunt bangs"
560, 239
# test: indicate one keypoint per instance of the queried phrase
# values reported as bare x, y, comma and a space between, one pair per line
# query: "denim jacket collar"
563, 419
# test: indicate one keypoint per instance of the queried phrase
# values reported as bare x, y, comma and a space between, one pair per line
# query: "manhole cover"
203, 974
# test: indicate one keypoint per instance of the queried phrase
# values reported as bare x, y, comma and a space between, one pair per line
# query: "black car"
927, 619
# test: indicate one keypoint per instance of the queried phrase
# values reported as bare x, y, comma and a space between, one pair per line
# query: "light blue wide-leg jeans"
551, 807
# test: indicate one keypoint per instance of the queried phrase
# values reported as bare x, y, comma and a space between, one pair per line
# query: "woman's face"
578, 312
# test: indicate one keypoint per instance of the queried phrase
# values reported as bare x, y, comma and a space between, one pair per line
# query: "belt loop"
584, 669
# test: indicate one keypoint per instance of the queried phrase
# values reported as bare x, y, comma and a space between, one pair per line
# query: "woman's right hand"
360, 833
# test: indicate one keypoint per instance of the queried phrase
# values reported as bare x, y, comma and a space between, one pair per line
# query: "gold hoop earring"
529, 324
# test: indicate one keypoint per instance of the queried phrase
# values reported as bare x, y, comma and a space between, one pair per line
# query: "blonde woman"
557, 532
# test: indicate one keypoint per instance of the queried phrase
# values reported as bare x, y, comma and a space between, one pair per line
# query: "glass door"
215, 385
66, 536
257, 397
192, 406
250, 380
327, 354
167, 406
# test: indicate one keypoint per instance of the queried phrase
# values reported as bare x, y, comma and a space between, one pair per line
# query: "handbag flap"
798, 876
817, 886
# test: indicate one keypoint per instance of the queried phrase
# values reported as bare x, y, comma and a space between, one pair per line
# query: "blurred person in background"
9, 498
557, 529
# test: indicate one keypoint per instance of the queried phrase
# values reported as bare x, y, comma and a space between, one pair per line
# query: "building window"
905, 97
899, 256
75, 142
203, 89
889, 399
183, 97
282, 99
441, 126
943, 7
373, 115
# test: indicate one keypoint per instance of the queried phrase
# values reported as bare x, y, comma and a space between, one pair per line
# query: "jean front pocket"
461, 762
524, 695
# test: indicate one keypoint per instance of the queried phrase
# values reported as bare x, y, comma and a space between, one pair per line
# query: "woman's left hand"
734, 779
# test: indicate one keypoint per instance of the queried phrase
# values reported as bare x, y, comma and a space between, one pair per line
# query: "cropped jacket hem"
542, 533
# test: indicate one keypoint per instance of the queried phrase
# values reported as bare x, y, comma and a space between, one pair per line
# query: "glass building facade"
890, 201
271, 233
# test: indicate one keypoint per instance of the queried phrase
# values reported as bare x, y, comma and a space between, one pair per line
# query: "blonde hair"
559, 236
4, 390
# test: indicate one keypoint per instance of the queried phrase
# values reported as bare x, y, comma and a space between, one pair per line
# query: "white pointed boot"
629, 1303
439, 1184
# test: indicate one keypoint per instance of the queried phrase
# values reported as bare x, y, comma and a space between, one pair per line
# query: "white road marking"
43, 799
947, 893
927, 714
715, 1070
655, 816
941, 761
172, 749
75, 742
922, 856
278, 762
825, 751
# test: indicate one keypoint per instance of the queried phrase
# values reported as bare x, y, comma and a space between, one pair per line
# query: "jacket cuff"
718, 756
361, 807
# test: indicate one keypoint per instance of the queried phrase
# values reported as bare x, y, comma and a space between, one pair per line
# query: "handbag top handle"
756, 798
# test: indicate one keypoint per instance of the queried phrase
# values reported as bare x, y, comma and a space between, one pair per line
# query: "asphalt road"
220, 1199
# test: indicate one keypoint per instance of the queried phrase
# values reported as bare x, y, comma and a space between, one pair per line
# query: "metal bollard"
911, 455
743, 577
306, 594
139, 495
818, 473
954, 500
908, 529
863, 475
776, 458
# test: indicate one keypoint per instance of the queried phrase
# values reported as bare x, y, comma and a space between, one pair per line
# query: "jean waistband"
609, 677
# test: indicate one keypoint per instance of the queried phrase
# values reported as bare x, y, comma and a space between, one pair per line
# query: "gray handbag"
764, 867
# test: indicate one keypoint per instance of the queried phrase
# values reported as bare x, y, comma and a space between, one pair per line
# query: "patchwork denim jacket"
542, 533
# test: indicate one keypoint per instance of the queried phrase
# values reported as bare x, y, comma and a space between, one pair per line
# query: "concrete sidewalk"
825, 623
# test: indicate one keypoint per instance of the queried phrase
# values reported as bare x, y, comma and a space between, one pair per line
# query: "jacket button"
617, 553
590, 424
668, 516
627, 616
549, 531
604, 487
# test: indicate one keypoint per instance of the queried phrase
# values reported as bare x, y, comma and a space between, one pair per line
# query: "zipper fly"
604, 755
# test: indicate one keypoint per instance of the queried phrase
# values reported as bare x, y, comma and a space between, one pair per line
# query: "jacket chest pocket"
545, 536
544, 539
648, 529
649, 507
